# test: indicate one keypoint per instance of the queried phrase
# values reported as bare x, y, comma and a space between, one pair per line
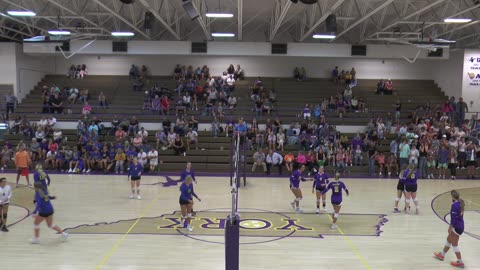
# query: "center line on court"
352, 247
119, 242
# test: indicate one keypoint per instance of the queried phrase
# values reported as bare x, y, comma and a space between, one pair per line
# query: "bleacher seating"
291, 96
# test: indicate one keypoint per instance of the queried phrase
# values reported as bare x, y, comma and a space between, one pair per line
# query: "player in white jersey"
5, 195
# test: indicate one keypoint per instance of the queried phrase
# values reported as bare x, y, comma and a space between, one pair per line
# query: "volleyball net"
232, 228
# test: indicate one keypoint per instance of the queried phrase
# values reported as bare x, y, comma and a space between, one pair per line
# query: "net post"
231, 160
232, 242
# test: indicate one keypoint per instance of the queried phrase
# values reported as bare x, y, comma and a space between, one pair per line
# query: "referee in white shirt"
274, 159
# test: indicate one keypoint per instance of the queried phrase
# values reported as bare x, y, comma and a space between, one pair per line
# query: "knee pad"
455, 249
52, 226
36, 226
336, 215
298, 199
448, 244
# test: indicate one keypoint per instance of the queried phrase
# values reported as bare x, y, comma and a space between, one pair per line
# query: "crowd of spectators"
77, 72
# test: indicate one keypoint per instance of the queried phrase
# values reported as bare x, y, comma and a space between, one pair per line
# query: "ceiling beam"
121, 18
160, 19
240, 19
321, 20
279, 20
364, 18
75, 14
11, 38
418, 12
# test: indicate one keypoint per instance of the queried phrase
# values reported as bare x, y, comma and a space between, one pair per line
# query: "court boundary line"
352, 247
124, 236
444, 219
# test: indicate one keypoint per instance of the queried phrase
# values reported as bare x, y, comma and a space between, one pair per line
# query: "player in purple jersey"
186, 201
411, 175
454, 230
336, 198
295, 178
188, 171
400, 190
320, 182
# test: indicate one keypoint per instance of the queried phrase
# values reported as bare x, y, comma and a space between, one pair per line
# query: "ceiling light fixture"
457, 20
123, 34
59, 32
324, 36
21, 13
219, 15
223, 34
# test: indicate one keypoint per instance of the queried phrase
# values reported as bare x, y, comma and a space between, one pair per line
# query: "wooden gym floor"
106, 232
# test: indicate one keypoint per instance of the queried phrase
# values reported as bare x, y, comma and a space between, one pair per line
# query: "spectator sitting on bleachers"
102, 101
388, 87
72, 72
335, 75
83, 71
133, 126
178, 146
86, 109
238, 73
165, 105
177, 72
380, 87
161, 138
56, 104
259, 160
192, 137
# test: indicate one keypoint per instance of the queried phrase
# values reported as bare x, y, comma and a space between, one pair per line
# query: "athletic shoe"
138, 197
395, 210
457, 264
131, 196
189, 228
35, 241
317, 211
292, 204
64, 236
439, 256
333, 227
4, 228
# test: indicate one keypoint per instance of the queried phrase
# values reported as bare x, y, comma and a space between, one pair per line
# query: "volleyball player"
186, 200
336, 198
411, 175
5, 195
454, 231
41, 177
400, 190
44, 211
320, 182
135, 175
295, 178
188, 171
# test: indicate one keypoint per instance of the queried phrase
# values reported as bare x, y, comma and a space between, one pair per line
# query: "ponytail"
462, 204
456, 195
